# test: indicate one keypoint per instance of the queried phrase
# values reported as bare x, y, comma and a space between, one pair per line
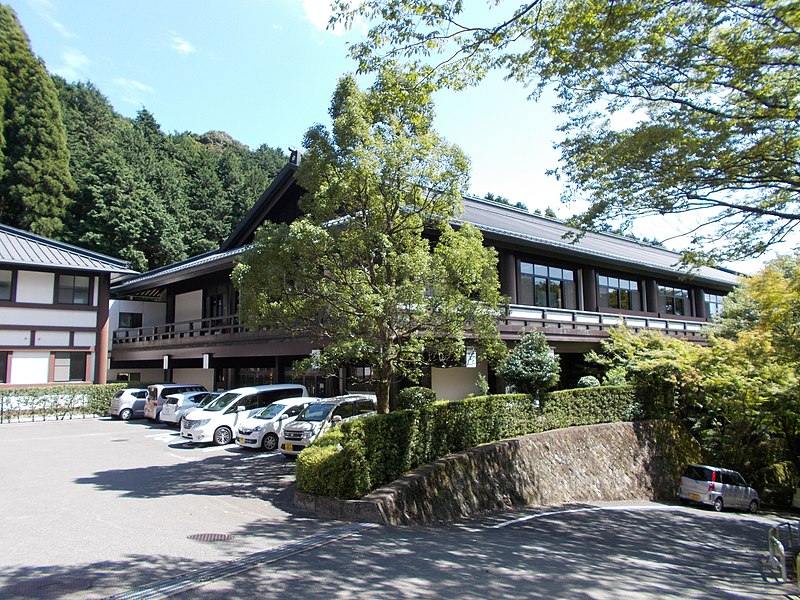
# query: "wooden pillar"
101, 331
507, 264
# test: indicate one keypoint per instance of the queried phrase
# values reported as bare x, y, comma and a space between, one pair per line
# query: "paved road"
95, 508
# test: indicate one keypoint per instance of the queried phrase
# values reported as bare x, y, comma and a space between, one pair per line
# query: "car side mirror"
239, 408
336, 419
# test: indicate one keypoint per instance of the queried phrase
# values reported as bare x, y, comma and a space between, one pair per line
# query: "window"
3, 366
74, 289
615, 292
6, 285
714, 304
673, 300
69, 366
542, 285
344, 410
128, 320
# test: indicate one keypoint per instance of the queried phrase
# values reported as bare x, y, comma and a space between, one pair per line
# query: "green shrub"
588, 381
58, 401
587, 406
414, 397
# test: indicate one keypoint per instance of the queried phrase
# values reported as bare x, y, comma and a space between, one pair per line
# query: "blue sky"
264, 71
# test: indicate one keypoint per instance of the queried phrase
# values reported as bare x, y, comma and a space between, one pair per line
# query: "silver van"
157, 396
128, 404
718, 488
319, 417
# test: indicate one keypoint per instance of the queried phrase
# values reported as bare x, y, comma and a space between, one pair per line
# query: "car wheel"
270, 442
125, 414
719, 505
753, 506
222, 436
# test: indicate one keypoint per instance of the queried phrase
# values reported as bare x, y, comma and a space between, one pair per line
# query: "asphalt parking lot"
98, 508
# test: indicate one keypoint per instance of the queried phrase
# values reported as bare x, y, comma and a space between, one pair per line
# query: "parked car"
157, 395
718, 488
320, 416
217, 421
176, 405
262, 430
128, 404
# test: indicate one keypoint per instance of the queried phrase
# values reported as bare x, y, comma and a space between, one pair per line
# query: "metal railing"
180, 329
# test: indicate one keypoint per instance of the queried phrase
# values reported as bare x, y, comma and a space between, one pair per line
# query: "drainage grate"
211, 537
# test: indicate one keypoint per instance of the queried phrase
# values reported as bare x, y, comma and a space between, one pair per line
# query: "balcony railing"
180, 330
553, 320
580, 321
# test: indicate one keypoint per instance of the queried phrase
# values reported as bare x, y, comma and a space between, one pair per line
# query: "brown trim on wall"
46, 328
48, 306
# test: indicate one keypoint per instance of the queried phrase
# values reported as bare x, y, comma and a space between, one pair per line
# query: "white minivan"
217, 421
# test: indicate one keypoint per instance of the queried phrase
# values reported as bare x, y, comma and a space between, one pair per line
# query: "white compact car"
264, 427
179, 404
217, 421
320, 416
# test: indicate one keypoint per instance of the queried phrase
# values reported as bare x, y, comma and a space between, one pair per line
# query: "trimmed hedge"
59, 402
366, 453
589, 406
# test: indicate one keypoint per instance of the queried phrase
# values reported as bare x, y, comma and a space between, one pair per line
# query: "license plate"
240, 440
694, 496
289, 447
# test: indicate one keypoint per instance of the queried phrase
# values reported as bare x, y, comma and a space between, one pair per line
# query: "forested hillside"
73, 169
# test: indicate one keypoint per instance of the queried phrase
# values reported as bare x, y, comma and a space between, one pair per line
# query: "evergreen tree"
36, 183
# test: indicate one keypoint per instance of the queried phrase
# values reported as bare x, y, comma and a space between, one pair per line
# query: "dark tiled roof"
27, 249
498, 221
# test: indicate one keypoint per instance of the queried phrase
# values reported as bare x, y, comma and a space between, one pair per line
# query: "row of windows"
67, 366
69, 289
555, 287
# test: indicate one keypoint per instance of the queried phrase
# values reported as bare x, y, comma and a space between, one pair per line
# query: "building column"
101, 332
589, 281
699, 298
508, 275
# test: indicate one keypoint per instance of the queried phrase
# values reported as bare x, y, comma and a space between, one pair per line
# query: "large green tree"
710, 87
35, 181
374, 269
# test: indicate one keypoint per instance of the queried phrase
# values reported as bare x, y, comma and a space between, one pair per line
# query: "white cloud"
181, 46
46, 10
73, 64
132, 91
318, 13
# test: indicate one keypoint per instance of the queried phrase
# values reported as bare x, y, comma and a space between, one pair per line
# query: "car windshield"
315, 412
272, 411
207, 399
221, 402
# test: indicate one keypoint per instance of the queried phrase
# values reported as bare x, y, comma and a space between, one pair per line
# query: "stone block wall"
595, 463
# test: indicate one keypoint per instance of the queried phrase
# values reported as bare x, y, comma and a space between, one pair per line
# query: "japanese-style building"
181, 321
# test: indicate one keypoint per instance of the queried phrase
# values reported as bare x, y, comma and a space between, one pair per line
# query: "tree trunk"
384, 388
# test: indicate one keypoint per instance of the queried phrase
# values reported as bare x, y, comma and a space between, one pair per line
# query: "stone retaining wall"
595, 463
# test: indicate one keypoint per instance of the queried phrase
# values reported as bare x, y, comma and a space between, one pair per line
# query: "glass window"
128, 320
615, 292
543, 285
344, 410
6, 278
69, 366
3, 366
714, 303
673, 300
73, 289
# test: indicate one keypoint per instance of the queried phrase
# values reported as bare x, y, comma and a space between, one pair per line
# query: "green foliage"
35, 181
414, 397
60, 402
713, 87
379, 449
373, 267
588, 381
587, 406
531, 367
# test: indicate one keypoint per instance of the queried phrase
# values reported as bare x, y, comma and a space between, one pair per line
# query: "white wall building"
54, 310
